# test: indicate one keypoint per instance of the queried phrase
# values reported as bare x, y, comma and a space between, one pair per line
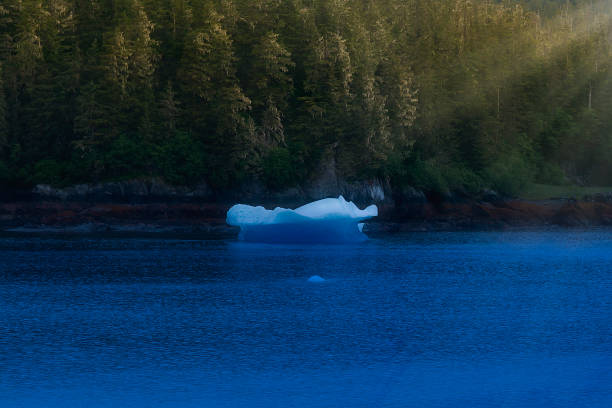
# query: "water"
516, 319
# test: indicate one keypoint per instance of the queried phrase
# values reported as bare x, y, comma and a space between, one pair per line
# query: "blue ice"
330, 220
316, 279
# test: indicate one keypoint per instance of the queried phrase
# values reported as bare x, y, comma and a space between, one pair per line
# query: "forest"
441, 95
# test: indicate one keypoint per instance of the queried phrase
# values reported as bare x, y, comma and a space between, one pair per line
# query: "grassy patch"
546, 191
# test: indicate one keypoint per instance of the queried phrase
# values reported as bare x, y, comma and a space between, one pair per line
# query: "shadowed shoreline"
87, 216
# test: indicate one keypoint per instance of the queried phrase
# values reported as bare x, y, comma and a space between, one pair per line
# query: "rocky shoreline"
151, 206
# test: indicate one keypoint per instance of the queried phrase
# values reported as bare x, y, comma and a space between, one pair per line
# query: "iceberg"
330, 220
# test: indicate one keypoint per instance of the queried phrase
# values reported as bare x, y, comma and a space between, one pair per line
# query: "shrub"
181, 160
510, 174
463, 179
47, 171
127, 157
278, 169
550, 173
426, 175
80, 168
5, 174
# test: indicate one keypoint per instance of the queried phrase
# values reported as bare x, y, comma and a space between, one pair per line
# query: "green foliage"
279, 169
127, 157
180, 160
436, 177
510, 175
48, 171
444, 95
3, 121
550, 173
464, 180
546, 191
5, 173
426, 175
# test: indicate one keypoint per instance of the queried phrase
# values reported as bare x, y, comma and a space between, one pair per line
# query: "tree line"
437, 94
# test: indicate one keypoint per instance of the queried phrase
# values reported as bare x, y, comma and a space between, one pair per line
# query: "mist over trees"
437, 94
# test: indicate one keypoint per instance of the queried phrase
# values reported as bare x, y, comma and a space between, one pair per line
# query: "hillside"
440, 95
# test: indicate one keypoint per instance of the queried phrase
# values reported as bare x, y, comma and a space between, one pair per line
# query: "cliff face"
126, 191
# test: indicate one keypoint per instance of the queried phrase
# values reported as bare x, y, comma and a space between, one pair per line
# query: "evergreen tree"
215, 106
468, 89
3, 119
269, 87
91, 123
169, 110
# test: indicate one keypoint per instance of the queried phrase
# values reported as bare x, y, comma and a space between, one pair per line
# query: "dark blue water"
518, 319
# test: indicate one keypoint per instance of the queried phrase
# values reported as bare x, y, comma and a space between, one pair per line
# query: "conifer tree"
3, 119
269, 87
91, 123
215, 106
169, 110
379, 85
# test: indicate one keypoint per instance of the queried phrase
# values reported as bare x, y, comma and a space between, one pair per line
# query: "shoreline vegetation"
545, 192
448, 97
150, 206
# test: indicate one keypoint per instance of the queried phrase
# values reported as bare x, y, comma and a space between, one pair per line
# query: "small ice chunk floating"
331, 220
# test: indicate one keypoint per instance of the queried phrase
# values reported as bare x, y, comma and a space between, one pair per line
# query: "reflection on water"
516, 319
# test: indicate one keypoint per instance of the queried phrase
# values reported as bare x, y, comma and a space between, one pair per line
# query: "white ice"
325, 221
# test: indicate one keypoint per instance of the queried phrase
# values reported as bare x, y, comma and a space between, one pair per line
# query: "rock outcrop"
129, 190
363, 192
